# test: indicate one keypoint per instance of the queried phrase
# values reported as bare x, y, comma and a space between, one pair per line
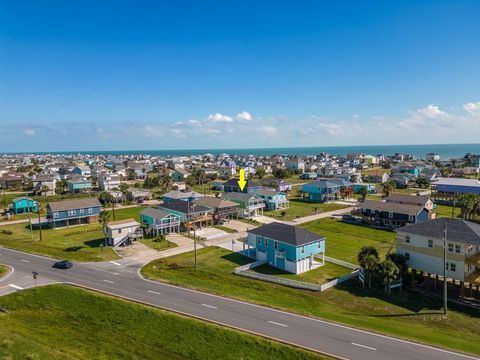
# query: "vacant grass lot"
446, 211
80, 243
344, 241
299, 208
61, 322
405, 315
320, 275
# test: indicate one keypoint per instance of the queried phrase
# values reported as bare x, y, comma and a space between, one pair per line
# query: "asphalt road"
121, 279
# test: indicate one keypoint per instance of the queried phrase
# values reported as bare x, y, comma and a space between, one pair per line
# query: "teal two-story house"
78, 186
24, 204
274, 200
158, 221
324, 190
73, 212
286, 247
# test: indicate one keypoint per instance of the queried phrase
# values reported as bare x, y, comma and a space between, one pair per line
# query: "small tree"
363, 192
283, 213
369, 260
387, 187
423, 182
44, 190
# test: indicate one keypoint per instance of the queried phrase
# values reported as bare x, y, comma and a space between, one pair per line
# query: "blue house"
324, 190
159, 221
286, 247
78, 186
229, 163
274, 200
359, 186
232, 186
24, 204
73, 212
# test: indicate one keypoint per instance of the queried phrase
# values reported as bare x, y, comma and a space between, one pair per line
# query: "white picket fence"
341, 263
244, 271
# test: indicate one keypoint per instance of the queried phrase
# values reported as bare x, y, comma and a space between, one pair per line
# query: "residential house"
232, 186
324, 190
250, 205
227, 172
423, 200
296, 164
138, 195
286, 247
78, 186
423, 246
403, 180
159, 221
73, 212
393, 215
123, 232
432, 157
221, 209
180, 175
24, 204
181, 195
308, 176
8, 181
108, 181
191, 215
376, 176
274, 200
277, 184
82, 170
44, 180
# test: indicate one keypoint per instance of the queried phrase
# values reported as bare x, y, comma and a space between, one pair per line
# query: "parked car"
64, 264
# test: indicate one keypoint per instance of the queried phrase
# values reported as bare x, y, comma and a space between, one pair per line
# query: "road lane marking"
109, 281
15, 286
153, 292
278, 324
115, 263
25, 261
364, 346
210, 306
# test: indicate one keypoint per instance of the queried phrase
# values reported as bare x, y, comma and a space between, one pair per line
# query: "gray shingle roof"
182, 206
238, 196
74, 204
457, 230
408, 199
286, 233
409, 209
214, 202
154, 213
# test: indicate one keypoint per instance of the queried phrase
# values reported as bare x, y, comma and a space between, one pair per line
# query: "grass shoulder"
3, 271
87, 321
158, 243
406, 315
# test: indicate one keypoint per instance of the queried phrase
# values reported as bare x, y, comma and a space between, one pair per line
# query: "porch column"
462, 289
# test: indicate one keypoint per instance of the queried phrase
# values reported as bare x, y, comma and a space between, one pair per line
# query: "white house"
123, 232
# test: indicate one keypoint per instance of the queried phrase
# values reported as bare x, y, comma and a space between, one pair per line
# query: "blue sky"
114, 75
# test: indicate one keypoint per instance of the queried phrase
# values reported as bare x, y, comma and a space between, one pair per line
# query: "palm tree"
44, 190
104, 218
363, 192
389, 271
468, 204
368, 259
446, 171
387, 187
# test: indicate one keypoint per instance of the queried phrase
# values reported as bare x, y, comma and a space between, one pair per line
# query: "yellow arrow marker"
242, 182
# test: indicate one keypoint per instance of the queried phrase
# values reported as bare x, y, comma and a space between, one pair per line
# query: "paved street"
120, 278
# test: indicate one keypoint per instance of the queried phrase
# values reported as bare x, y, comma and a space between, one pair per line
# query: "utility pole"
113, 209
39, 224
445, 268
29, 218
453, 207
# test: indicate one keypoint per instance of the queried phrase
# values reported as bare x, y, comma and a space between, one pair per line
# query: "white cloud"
472, 107
431, 111
244, 116
268, 130
217, 117
29, 131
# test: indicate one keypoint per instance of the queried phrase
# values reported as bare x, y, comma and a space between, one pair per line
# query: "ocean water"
446, 151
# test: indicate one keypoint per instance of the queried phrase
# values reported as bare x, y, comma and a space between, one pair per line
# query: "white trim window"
450, 247
72, 212
458, 249
55, 215
275, 244
265, 242
411, 218
407, 256
407, 239
90, 210
390, 215
453, 267
430, 243
82, 211
303, 249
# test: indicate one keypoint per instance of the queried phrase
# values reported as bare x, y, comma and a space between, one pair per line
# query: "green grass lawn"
3, 270
446, 211
344, 241
79, 243
157, 243
407, 315
61, 322
251, 222
320, 275
127, 213
299, 208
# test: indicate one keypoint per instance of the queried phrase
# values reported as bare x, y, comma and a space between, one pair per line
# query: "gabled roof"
234, 182
185, 207
176, 194
409, 209
457, 230
329, 183
286, 233
74, 204
20, 198
407, 199
154, 213
239, 196
215, 202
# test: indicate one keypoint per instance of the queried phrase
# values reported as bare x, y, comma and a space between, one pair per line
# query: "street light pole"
445, 268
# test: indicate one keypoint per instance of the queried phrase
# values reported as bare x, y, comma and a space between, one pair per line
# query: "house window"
90, 210
82, 211
446, 265
72, 212
453, 267
407, 239
119, 231
390, 215
407, 256
55, 215
430, 243
319, 244
457, 249
258, 241
303, 249
411, 217
265, 242
450, 247
275, 244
